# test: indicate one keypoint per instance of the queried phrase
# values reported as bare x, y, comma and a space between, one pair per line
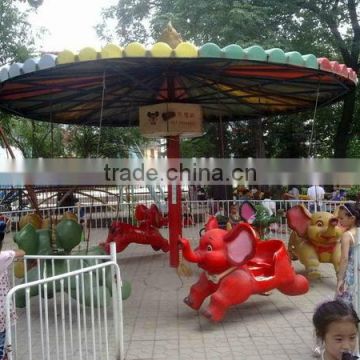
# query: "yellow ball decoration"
65, 57
161, 49
186, 50
135, 49
19, 269
34, 219
87, 54
111, 51
70, 216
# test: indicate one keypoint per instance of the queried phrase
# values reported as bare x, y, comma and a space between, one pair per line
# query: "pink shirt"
6, 258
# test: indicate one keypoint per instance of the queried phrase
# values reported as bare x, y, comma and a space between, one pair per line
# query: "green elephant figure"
68, 235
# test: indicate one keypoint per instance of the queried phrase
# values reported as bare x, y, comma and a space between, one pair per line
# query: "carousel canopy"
109, 86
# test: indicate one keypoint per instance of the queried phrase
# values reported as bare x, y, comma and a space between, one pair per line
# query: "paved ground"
158, 325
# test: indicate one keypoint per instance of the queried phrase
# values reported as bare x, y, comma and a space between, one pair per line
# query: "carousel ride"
175, 82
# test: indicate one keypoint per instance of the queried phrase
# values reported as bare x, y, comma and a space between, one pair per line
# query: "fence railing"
194, 213
72, 310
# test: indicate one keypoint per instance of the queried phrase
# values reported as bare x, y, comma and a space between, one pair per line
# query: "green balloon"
32, 275
27, 240
68, 234
125, 289
95, 250
104, 297
44, 238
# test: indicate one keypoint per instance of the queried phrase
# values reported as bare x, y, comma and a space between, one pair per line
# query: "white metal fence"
101, 216
75, 314
69, 325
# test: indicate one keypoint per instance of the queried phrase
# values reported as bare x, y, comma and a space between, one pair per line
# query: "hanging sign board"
169, 119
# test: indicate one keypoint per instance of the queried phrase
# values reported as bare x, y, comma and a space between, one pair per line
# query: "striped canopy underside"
111, 90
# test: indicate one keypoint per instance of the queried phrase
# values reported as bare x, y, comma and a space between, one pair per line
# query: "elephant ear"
156, 217
247, 212
141, 212
241, 244
299, 219
212, 223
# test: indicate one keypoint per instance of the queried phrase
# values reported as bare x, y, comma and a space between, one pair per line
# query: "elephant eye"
319, 223
209, 248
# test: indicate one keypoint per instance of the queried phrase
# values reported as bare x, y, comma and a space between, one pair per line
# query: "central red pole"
174, 202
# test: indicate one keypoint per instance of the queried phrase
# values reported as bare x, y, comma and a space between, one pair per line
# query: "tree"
84, 141
16, 41
204, 146
34, 139
34, 3
306, 26
15, 45
199, 21
334, 24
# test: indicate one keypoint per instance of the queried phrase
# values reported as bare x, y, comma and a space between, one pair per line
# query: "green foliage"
112, 142
324, 28
204, 146
353, 193
263, 218
34, 139
15, 33
35, 3
201, 21
16, 44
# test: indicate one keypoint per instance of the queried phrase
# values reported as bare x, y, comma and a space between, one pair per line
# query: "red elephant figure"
147, 233
236, 265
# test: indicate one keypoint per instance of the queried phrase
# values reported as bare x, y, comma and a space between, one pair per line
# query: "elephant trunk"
188, 252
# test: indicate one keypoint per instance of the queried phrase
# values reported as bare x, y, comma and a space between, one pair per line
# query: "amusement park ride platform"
108, 88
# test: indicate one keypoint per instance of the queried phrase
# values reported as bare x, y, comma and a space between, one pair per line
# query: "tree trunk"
257, 137
343, 131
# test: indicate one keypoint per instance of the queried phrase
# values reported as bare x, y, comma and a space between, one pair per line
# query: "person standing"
268, 203
293, 195
316, 193
349, 218
6, 258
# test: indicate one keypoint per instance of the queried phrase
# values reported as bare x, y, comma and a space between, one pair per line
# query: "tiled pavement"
158, 325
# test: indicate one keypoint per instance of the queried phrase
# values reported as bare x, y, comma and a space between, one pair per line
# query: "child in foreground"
336, 325
6, 258
349, 217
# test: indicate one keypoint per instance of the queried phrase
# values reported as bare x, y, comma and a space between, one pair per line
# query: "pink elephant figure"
236, 264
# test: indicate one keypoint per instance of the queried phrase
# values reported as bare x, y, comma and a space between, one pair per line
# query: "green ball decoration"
125, 290
68, 234
27, 240
44, 241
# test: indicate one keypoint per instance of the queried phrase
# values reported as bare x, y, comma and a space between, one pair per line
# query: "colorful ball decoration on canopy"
232, 82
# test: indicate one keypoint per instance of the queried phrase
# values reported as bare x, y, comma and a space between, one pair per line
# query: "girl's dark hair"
352, 209
2, 232
331, 311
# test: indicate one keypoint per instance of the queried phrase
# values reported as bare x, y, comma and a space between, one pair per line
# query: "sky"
70, 26
5, 155
70, 23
